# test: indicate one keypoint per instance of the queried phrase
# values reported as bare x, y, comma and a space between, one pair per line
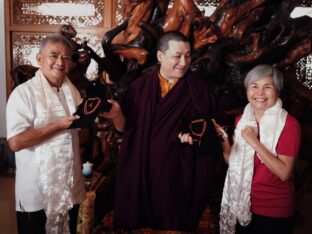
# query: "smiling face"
262, 94
175, 61
55, 61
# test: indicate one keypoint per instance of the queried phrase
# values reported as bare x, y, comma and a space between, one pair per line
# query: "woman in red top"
258, 190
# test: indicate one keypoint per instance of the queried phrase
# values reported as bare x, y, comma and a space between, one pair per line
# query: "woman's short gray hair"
262, 71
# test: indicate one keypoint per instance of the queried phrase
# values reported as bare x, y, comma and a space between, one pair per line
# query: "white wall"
2, 73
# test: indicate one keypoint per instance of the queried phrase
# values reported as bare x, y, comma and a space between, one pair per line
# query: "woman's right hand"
220, 130
226, 147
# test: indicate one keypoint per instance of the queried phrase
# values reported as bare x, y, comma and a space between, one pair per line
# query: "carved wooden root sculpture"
205, 33
233, 15
138, 12
132, 41
180, 16
299, 51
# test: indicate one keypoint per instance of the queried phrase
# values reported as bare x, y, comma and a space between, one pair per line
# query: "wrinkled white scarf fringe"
235, 203
55, 159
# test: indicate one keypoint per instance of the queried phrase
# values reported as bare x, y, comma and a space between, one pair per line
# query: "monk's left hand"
185, 138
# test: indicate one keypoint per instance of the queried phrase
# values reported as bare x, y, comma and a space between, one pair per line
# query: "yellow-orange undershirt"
165, 85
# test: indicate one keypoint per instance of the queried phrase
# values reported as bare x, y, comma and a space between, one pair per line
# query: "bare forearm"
226, 148
33, 137
225, 143
115, 114
119, 122
281, 166
276, 165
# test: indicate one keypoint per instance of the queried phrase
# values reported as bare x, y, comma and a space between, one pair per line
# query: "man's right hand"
33, 137
66, 121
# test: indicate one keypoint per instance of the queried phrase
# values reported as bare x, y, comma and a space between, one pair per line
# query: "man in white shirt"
49, 183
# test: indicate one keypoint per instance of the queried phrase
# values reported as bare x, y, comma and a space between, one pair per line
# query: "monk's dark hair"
54, 39
163, 42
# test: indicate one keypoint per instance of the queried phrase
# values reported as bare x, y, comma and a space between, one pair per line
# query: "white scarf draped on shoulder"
235, 203
55, 155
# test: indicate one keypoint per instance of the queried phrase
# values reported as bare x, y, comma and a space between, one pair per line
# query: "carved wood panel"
78, 13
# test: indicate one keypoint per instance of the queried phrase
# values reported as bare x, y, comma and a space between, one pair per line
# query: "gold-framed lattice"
25, 46
48, 12
119, 11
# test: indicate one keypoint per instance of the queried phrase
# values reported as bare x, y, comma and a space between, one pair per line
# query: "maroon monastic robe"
157, 175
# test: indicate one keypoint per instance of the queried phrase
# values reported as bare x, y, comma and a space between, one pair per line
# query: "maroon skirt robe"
158, 177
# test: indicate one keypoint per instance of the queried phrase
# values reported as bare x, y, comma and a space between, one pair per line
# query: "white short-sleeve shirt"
21, 113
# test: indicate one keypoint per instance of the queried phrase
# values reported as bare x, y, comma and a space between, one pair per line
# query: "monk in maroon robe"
161, 183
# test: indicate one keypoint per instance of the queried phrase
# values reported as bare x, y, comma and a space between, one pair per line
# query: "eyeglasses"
197, 131
55, 57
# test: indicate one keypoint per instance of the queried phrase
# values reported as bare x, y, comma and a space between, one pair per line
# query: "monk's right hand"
114, 112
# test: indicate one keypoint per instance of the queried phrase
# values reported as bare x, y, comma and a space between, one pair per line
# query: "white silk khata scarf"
235, 203
55, 156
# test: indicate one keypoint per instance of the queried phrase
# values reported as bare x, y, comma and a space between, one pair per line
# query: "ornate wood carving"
78, 13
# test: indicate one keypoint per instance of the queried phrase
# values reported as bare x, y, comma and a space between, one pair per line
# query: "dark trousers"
266, 225
34, 222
